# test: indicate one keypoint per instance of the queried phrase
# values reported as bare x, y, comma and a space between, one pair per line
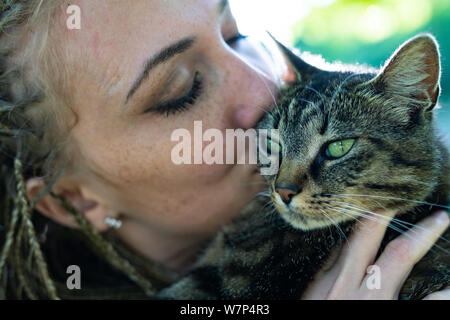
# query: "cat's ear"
297, 70
413, 72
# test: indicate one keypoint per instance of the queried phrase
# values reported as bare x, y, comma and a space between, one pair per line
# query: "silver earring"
114, 223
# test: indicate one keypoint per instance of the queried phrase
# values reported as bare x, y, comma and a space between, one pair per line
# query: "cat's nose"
286, 193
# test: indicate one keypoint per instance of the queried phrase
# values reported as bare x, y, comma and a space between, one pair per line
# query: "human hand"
344, 275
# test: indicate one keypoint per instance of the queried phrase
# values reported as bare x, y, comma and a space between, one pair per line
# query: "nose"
256, 102
250, 89
287, 193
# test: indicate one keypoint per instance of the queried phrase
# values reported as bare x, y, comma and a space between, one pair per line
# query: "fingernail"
442, 217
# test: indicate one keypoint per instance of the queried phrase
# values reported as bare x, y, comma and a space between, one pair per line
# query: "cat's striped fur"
396, 165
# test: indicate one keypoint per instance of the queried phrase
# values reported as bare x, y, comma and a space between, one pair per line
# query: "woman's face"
127, 112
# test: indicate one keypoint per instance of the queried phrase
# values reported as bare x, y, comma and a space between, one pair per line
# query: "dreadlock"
28, 150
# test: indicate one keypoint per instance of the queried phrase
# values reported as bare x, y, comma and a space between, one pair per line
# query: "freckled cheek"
122, 165
153, 166
142, 156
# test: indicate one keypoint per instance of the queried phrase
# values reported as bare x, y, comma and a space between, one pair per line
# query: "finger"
324, 280
402, 253
439, 295
361, 250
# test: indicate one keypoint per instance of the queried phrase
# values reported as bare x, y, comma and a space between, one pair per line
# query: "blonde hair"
33, 132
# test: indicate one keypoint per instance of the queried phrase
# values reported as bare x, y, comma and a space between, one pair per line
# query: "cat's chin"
308, 223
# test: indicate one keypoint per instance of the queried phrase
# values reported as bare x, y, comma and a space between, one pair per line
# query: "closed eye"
182, 103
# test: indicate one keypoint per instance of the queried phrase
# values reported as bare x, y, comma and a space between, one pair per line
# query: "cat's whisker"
362, 215
263, 194
371, 212
375, 218
353, 201
268, 204
404, 224
266, 207
353, 218
330, 230
270, 92
341, 210
404, 232
397, 221
306, 100
270, 212
335, 223
429, 184
389, 225
316, 92
378, 203
340, 87
390, 198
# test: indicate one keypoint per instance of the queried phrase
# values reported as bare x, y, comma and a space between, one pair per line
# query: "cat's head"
356, 142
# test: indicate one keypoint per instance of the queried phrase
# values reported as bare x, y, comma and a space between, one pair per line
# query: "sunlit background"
350, 31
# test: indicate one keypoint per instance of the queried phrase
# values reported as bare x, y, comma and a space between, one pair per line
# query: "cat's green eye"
340, 148
273, 147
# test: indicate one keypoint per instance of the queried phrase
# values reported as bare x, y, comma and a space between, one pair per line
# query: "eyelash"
236, 38
182, 104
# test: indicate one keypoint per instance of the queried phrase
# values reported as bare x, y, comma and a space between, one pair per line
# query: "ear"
85, 202
413, 72
297, 70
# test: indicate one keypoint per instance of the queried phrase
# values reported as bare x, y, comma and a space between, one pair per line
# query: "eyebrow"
166, 54
161, 57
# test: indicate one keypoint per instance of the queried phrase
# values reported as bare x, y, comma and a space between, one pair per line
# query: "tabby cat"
352, 143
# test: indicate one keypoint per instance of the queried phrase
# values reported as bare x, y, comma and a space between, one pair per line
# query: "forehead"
117, 25
116, 38
324, 110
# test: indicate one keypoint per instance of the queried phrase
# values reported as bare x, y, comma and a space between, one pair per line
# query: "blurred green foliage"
368, 31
